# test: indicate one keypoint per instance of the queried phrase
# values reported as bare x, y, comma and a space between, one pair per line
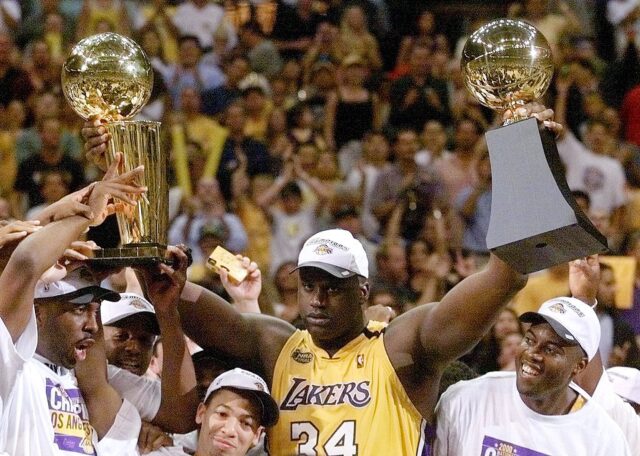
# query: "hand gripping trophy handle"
143, 228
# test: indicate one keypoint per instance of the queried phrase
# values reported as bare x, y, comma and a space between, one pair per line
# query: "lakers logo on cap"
259, 386
557, 307
323, 249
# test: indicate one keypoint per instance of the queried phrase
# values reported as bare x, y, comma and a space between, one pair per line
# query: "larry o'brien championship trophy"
535, 222
110, 76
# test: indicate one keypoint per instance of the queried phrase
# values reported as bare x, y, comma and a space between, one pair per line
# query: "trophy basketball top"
107, 75
506, 64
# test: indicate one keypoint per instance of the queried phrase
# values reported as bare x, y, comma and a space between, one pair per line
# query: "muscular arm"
29, 261
179, 395
103, 401
584, 279
421, 342
213, 323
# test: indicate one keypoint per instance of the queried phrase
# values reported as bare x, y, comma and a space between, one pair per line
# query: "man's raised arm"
212, 322
421, 342
584, 280
29, 261
179, 396
206, 318
41, 250
448, 329
102, 400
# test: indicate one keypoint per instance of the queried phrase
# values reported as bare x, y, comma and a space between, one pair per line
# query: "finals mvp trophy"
535, 222
110, 76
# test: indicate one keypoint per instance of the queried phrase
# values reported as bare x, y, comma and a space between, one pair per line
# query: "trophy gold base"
129, 255
535, 222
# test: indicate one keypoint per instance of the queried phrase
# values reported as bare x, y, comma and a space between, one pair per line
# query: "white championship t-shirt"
601, 177
144, 393
486, 417
43, 412
621, 412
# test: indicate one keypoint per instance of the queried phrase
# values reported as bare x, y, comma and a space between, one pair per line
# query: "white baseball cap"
240, 379
255, 81
77, 287
619, 10
336, 252
573, 320
130, 304
625, 382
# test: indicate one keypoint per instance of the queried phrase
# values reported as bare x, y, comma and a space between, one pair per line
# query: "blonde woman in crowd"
355, 38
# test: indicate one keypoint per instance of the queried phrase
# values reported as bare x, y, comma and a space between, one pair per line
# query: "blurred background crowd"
284, 118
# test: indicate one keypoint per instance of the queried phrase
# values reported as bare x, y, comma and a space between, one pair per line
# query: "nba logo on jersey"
360, 360
302, 357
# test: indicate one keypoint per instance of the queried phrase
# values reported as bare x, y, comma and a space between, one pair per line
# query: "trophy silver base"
535, 222
130, 255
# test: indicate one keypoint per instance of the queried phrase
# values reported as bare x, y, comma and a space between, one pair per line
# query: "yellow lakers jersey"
350, 404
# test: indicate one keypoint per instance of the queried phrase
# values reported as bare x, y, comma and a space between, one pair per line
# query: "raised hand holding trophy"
109, 75
535, 222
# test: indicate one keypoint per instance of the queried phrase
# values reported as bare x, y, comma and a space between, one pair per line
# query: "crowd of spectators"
285, 118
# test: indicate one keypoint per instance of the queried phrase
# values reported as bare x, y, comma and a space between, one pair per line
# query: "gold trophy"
109, 75
507, 64
535, 222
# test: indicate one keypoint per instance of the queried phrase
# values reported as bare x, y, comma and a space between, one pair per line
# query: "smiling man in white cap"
542, 412
130, 330
572, 320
